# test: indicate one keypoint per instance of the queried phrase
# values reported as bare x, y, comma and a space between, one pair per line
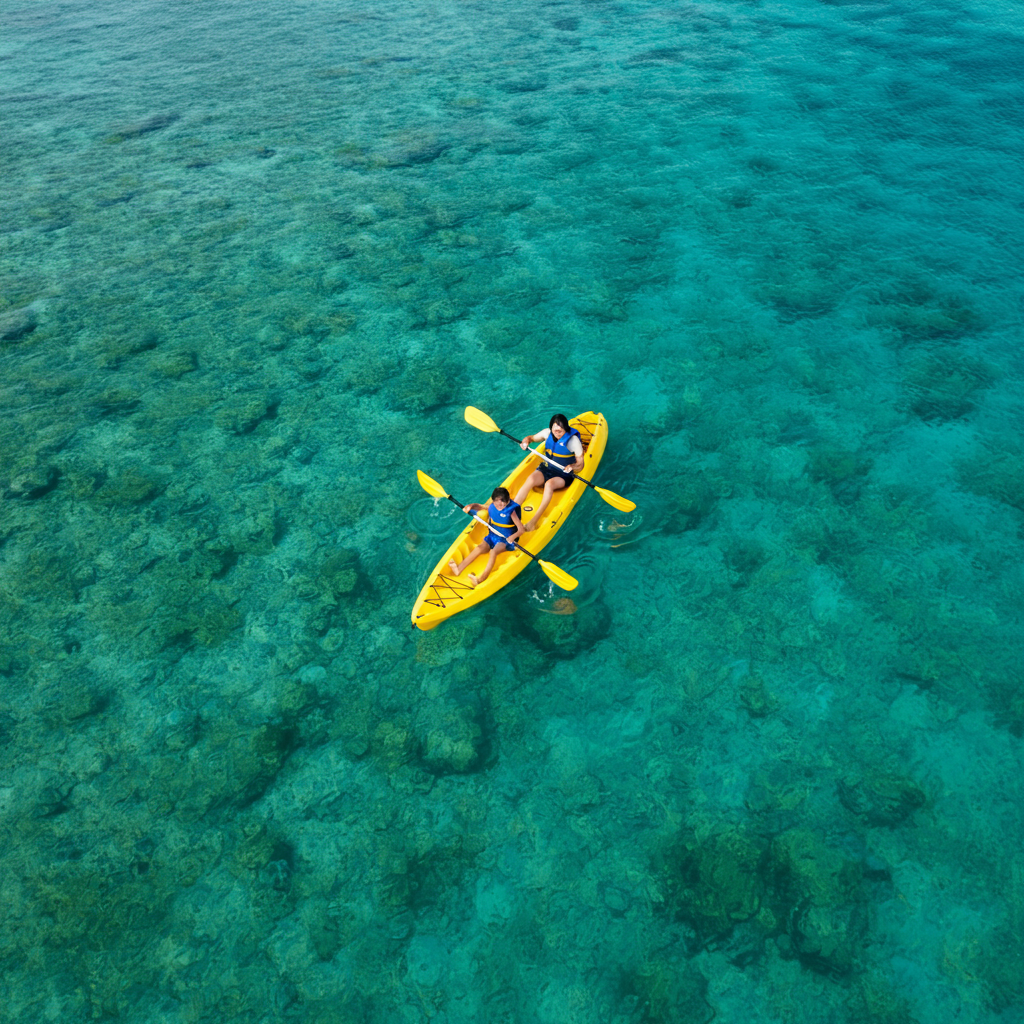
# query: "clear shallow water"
256, 259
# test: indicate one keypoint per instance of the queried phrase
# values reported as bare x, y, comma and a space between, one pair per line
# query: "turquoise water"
256, 258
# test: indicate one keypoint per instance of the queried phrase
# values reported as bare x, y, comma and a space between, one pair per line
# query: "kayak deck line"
451, 584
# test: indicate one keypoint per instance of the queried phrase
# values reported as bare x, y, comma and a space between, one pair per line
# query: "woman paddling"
563, 445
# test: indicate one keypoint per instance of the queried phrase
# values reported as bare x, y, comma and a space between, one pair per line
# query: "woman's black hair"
501, 492
560, 420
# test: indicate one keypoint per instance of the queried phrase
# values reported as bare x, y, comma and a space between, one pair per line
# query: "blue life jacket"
502, 520
558, 450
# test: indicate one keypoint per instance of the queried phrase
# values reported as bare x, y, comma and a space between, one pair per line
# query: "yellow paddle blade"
559, 576
479, 419
432, 487
615, 500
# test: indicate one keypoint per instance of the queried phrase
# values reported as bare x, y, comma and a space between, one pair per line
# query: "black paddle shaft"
575, 476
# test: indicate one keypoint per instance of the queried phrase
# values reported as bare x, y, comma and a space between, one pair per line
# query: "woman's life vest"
557, 449
501, 519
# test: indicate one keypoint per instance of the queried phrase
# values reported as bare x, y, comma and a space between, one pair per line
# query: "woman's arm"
578, 464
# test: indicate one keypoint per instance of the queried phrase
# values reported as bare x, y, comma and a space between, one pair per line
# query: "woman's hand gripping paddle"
480, 420
559, 576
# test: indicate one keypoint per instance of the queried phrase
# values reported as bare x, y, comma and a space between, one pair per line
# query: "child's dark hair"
501, 492
560, 420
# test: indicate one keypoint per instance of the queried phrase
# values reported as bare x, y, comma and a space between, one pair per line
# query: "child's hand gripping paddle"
480, 420
559, 576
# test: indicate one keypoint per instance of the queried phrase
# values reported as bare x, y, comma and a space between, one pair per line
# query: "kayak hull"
445, 595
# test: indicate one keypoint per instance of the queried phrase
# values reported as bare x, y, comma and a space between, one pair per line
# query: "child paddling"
506, 527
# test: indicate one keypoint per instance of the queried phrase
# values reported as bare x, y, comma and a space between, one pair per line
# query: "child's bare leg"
495, 551
457, 570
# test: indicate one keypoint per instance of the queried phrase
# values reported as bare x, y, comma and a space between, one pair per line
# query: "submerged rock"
242, 414
426, 385
17, 323
881, 799
670, 990
841, 470
34, 478
660, 55
998, 957
719, 883
115, 401
150, 124
945, 384
339, 573
826, 938
453, 744
521, 85
566, 631
130, 487
177, 364
439, 647
736, 890
691, 500
818, 896
414, 151
755, 697
393, 743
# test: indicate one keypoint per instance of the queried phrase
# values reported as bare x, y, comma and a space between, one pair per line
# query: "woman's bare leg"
554, 484
535, 479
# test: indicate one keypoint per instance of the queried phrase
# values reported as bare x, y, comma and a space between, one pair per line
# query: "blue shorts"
492, 538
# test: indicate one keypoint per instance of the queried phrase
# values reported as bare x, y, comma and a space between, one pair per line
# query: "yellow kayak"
444, 595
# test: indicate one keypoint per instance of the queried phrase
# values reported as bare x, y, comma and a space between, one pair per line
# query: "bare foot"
473, 579
531, 525
454, 568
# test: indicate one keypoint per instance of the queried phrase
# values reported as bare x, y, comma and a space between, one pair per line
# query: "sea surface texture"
764, 765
